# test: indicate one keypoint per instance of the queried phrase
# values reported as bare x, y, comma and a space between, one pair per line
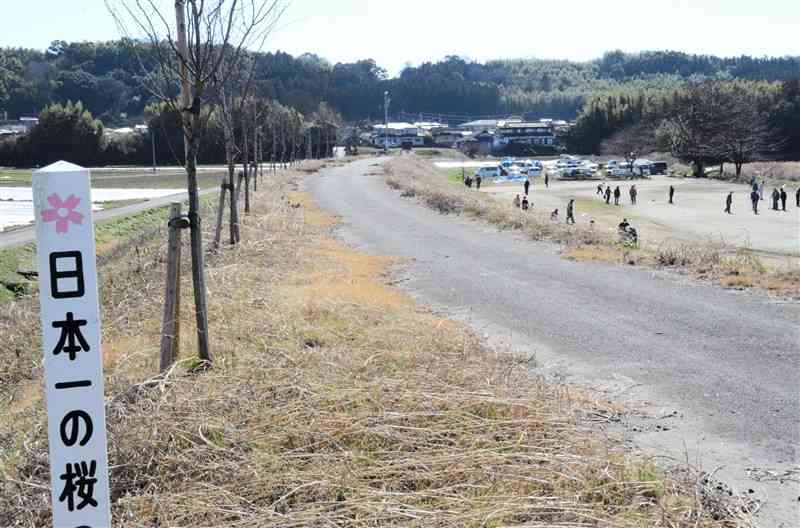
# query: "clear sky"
412, 31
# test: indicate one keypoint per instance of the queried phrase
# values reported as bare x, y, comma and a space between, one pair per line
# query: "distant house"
511, 136
479, 125
447, 137
21, 126
479, 144
397, 135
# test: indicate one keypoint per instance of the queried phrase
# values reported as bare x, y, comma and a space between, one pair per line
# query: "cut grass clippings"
333, 401
728, 266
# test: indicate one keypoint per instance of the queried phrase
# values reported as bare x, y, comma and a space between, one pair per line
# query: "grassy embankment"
109, 235
333, 401
731, 267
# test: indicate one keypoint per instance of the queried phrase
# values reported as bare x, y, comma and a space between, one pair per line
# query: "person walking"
546, 180
525, 203
633, 193
477, 182
526, 186
599, 189
608, 194
775, 197
617, 194
554, 216
761, 189
571, 211
671, 194
754, 198
729, 202
784, 196
797, 197
516, 202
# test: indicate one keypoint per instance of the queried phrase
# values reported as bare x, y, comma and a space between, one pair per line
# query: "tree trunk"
245, 165
191, 132
699, 169
738, 165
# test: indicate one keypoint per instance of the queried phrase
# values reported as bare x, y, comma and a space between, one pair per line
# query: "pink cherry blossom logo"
63, 212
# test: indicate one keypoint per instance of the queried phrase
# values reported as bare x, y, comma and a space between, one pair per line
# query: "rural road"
719, 368
23, 235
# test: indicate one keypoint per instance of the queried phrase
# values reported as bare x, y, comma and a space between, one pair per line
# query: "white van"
488, 172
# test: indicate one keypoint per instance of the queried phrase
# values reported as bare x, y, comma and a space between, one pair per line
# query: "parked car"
488, 172
658, 167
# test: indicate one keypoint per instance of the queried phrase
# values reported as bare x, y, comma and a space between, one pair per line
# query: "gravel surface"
724, 364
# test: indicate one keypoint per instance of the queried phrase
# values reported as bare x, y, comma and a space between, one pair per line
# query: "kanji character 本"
71, 428
70, 331
66, 274
81, 483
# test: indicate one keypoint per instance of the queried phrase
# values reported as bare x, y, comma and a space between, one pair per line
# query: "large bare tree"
198, 45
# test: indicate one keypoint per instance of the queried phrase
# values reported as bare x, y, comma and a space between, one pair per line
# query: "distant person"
525, 203
729, 202
784, 196
754, 198
761, 190
554, 215
775, 197
516, 202
754, 184
797, 197
671, 194
526, 186
608, 194
627, 233
617, 194
571, 211
546, 180
477, 182
599, 189
633, 193
468, 181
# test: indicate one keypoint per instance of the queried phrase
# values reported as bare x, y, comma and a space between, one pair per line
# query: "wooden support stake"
220, 214
170, 331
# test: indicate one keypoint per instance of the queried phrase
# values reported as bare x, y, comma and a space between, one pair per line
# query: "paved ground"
697, 213
23, 235
721, 368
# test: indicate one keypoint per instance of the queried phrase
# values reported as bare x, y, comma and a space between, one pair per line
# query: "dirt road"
720, 368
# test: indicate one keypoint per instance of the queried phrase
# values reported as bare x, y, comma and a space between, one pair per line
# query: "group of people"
605, 192
469, 180
524, 204
757, 194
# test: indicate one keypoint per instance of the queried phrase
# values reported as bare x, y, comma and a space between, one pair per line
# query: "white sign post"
73, 369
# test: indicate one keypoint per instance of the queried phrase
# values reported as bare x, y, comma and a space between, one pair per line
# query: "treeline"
700, 122
109, 77
69, 131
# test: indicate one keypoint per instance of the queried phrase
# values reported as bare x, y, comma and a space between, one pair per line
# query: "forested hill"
107, 77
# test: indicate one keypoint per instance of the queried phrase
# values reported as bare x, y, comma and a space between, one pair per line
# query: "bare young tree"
198, 47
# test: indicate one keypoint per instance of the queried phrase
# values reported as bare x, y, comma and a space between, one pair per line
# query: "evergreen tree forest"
606, 96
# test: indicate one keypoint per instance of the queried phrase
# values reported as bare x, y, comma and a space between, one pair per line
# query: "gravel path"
721, 365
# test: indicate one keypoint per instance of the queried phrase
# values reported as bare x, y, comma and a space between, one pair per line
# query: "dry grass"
415, 177
333, 401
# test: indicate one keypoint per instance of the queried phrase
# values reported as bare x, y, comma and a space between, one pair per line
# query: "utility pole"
386, 100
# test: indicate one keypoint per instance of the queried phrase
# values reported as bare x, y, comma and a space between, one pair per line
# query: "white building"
398, 134
519, 133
